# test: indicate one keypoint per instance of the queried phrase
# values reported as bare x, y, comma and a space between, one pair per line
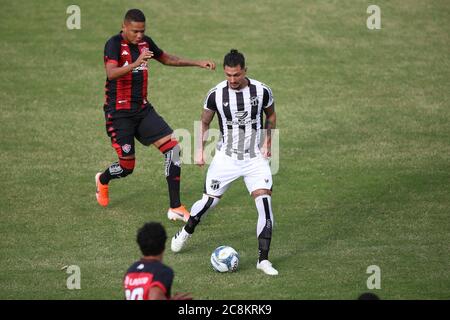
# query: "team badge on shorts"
215, 184
126, 148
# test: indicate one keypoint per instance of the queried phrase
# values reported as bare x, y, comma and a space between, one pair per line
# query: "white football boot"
266, 267
179, 240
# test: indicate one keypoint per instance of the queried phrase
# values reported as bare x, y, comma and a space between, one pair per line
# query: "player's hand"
181, 296
207, 64
266, 150
143, 57
198, 159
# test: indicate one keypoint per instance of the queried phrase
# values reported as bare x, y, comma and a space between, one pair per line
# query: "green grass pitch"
364, 175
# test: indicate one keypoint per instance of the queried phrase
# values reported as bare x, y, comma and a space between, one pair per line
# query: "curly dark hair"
151, 238
234, 58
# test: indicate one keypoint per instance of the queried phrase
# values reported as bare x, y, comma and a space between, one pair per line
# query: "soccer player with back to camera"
242, 152
130, 115
149, 278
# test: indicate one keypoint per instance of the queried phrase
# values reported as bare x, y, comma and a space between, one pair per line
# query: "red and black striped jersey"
143, 275
128, 93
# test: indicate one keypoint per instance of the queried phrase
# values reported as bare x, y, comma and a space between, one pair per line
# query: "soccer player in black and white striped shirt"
242, 152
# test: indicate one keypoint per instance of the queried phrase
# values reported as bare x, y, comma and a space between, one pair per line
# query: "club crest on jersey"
254, 101
241, 114
126, 148
215, 184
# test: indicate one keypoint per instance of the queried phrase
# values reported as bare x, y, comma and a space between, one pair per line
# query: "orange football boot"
101, 192
179, 213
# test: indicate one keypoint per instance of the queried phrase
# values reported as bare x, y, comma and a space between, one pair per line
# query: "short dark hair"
134, 15
151, 238
234, 58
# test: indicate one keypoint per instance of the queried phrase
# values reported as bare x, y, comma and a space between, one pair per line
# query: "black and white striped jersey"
240, 115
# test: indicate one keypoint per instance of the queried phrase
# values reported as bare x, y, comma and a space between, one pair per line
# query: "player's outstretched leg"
264, 233
198, 210
172, 164
117, 170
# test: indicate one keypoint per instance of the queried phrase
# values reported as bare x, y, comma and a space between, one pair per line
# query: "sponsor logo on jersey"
134, 282
142, 67
241, 114
242, 122
124, 53
225, 104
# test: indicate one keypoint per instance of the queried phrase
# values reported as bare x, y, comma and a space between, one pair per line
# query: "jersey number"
136, 294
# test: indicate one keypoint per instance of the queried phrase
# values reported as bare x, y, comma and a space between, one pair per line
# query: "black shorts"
147, 126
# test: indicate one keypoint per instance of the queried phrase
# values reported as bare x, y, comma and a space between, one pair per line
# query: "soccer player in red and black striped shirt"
130, 115
149, 278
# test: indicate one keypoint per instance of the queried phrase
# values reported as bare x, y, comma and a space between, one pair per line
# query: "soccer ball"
225, 259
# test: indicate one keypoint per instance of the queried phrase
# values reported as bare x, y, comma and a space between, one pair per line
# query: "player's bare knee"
160, 142
261, 192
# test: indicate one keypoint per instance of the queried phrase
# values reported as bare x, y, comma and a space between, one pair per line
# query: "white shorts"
224, 170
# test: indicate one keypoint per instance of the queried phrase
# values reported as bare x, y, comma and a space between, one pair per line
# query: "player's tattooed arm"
205, 121
271, 119
270, 123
